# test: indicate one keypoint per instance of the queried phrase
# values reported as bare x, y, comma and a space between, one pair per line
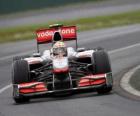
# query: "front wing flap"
86, 82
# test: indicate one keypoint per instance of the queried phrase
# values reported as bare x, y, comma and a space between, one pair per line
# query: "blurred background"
19, 19
111, 24
12, 6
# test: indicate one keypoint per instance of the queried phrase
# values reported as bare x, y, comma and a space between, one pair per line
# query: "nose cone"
61, 68
60, 64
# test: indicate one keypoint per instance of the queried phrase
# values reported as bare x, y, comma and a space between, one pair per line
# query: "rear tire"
102, 66
20, 74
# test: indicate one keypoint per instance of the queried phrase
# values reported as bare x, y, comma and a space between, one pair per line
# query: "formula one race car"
60, 69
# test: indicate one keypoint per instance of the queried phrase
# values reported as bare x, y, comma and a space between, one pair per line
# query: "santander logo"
46, 33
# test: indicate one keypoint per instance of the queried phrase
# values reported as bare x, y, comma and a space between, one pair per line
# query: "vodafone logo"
46, 33
67, 31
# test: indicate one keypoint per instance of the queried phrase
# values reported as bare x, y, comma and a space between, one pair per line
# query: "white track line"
110, 52
5, 88
125, 82
124, 48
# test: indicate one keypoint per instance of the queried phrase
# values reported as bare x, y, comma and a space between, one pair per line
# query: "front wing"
32, 89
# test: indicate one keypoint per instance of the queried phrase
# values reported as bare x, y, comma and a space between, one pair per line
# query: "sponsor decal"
51, 32
46, 35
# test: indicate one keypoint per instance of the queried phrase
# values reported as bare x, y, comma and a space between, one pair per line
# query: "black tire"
104, 90
102, 65
101, 62
21, 99
20, 74
17, 58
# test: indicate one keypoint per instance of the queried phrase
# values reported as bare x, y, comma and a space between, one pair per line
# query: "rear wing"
46, 35
67, 33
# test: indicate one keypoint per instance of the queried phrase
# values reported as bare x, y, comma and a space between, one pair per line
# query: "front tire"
102, 66
104, 90
20, 74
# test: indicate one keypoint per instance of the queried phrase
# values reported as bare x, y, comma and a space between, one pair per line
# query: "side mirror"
80, 49
36, 54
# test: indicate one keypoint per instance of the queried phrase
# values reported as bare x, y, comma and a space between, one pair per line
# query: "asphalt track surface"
123, 45
106, 7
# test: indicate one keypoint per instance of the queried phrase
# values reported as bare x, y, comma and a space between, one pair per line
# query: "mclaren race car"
60, 69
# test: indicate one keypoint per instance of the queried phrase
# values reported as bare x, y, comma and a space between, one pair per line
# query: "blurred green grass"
90, 23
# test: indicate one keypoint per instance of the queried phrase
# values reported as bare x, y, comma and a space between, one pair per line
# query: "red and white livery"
60, 69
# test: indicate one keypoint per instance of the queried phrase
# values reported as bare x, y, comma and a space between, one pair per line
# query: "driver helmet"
59, 48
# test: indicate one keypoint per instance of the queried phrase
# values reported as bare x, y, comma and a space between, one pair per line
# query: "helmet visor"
59, 51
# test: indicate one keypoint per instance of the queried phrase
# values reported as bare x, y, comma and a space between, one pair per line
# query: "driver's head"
59, 48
